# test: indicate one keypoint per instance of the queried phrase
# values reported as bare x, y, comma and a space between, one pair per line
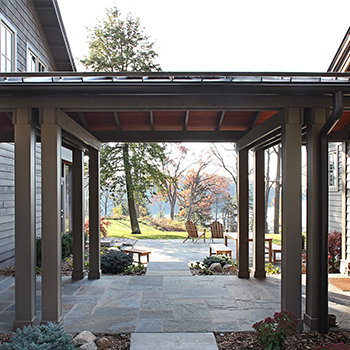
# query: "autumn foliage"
103, 226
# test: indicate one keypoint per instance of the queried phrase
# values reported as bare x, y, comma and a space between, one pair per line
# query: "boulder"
89, 346
215, 267
230, 268
84, 337
103, 343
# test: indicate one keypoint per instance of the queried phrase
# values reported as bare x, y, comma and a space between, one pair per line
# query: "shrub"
334, 250
44, 337
272, 332
166, 224
222, 259
103, 226
115, 262
271, 269
67, 244
135, 268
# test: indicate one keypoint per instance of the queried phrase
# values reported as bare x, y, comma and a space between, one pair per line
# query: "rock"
89, 346
216, 267
84, 337
114, 248
230, 268
103, 343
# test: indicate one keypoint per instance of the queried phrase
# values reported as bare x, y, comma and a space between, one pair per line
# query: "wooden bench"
140, 252
217, 249
274, 252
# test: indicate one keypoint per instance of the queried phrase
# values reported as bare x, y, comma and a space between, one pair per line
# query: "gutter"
337, 113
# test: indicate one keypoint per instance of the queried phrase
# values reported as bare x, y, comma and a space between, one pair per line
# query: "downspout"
326, 129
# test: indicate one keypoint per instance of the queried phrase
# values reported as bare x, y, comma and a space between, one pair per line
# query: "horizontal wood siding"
22, 15
7, 201
335, 195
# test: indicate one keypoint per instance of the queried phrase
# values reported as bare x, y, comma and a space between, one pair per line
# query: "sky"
224, 35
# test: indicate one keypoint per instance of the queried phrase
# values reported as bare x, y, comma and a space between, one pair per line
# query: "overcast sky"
225, 35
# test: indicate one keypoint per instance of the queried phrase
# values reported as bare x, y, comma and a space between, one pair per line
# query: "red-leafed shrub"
334, 251
103, 226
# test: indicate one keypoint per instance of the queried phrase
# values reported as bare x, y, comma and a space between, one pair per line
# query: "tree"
174, 168
118, 44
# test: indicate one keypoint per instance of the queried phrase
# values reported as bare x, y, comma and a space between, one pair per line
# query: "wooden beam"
168, 136
116, 119
270, 126
83, 120
221, 118
73, 128
186, 120
151, 120
7, 136
254, 120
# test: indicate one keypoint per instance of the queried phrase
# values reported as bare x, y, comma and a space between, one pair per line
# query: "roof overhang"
174, 107
52, 24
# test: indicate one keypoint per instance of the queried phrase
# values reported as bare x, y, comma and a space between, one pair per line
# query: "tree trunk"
276, 224
135, 229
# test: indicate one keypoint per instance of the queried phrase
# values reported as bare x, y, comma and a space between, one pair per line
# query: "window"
34, 64
8, 44
333, 165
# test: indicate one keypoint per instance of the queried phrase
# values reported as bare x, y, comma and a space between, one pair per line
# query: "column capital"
48, 115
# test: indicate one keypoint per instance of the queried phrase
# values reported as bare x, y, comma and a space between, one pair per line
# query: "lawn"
121, 228
276, 238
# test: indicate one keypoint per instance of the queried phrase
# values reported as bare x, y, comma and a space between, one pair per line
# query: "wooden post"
291, 213
94, 214
78, 215
51, 217
259, 215
243, 215
25, 208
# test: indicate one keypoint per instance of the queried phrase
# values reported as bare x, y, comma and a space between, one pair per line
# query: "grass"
121, 228
276, 238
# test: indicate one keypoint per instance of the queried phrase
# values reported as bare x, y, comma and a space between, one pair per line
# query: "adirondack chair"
192, 232
217, 230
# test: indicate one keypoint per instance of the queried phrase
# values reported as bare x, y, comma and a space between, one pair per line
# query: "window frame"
335, 152
4, 22
32, 53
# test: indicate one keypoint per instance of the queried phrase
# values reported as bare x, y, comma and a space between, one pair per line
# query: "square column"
25, 221
243, 215
94, 214
259, 215
51, 218
315, 118
291, 212
78, 215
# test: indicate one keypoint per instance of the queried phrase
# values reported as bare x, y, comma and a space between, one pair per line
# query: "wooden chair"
192, 232
217, 230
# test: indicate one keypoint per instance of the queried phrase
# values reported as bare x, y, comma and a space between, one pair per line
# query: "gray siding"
7, 201
22, 15
335, 194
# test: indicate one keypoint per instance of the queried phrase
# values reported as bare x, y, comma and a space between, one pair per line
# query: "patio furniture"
192, 232
274, 252
218, 249
216, 230
268, 241
140, 252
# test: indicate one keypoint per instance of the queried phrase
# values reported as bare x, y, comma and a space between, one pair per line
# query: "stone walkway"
168, 299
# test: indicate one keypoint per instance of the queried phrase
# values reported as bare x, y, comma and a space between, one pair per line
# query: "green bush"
222, 259
115, 262
46, 337
67, 244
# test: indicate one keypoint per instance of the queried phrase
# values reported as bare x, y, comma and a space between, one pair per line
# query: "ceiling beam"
7, 136
9, 115
269, 127
151, 120
168, 136
73, 128
181, 102
83, 120
254, 120
186, 120
116, 120
221, 118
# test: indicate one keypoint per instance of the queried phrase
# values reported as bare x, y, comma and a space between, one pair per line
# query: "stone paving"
167, 302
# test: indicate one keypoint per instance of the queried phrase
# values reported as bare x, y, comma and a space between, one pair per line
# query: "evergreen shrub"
222, 259
45, 337
115, 262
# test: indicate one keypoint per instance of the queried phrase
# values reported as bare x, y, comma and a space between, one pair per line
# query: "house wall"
22, 16
335, 194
